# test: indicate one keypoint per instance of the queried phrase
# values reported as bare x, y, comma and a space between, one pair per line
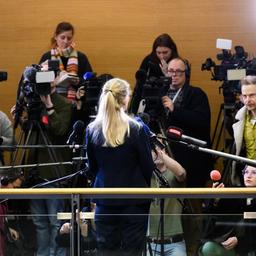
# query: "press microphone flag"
88, 75
177, 134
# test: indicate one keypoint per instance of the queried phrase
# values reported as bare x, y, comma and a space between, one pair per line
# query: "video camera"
233, 67
229, 61
149, 91
93, 85
3, 76
153, 88
34, 82
37, 81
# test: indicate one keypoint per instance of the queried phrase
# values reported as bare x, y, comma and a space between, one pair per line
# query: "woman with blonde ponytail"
119, 155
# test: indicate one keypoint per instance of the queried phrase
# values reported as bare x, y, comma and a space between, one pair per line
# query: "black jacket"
129, 165
193, 116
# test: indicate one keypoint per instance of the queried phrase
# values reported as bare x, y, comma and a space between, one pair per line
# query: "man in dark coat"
187, 107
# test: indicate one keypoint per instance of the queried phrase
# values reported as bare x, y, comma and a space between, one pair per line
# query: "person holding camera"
153, 66
45, 120
187, 108
244, 129
119, 155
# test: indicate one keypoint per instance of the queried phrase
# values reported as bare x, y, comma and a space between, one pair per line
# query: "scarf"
72, 67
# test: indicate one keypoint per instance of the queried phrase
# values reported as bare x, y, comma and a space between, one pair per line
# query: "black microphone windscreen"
141, 75
77, 134
30, 74
78, 126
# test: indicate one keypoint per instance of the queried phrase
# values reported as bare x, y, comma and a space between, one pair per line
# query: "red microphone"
215, 176
177, 134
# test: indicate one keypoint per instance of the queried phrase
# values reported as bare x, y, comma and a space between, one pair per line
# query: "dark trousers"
121, 231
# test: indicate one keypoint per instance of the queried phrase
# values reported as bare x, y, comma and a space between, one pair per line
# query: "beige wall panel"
116, 35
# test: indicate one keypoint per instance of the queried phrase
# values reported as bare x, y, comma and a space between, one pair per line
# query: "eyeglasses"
247, 172
177, 72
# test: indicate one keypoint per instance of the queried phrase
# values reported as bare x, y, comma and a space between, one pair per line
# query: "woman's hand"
230, 243
164, 67
65, 228
218, 185
14, 234
80, 93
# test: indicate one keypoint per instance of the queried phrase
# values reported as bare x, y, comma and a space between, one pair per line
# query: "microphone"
29, 73
89, 75
144, 119
215, 176
77, 134
177, 134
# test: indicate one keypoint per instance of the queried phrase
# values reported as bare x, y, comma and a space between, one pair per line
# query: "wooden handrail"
131, 192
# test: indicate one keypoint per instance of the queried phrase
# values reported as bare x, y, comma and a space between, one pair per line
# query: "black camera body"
230, 61
3, 76
154, 88
93, 86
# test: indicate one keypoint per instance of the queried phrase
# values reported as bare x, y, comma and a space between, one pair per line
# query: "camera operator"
52, 112
245, 129
154, 65
187, 107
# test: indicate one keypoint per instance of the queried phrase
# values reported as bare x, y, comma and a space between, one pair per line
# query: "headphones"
187, 67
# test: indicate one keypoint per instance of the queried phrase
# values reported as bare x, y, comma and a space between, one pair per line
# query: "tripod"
163, 183
33, 133
225, 119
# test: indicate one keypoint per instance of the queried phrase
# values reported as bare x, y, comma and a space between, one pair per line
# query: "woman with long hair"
119, 155
164, 49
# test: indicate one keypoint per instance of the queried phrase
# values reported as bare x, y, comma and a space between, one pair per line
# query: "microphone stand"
240, 159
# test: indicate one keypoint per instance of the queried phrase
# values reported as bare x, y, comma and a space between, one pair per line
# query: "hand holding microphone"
215, 176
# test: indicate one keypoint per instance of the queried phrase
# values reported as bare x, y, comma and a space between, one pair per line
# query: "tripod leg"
148, 248
51, 152
25, 138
